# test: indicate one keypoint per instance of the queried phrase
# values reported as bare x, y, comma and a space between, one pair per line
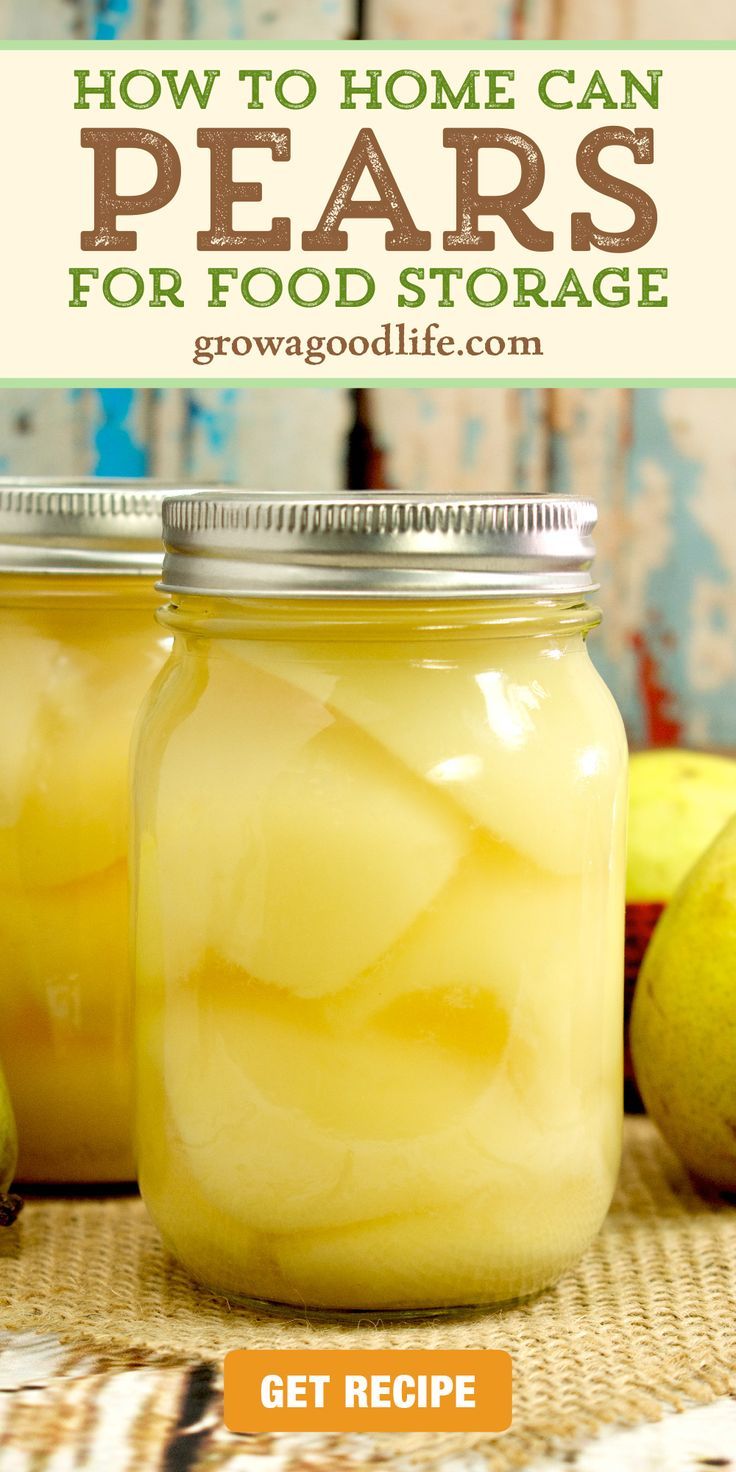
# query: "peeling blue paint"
117, 452
667, 624
112, 19
238, 13
693, 554
217, 421
215, 418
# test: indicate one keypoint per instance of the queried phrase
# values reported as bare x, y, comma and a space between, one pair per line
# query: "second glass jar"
79, 647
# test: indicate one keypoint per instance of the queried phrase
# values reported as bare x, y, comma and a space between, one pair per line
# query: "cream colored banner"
381, 213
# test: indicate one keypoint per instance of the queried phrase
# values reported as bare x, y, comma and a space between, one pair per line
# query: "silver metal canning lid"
78, 527
377, 545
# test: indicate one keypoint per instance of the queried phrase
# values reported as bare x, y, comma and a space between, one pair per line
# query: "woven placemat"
647, 1322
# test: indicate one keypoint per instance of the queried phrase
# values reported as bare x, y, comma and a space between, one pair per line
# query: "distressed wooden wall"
661, 464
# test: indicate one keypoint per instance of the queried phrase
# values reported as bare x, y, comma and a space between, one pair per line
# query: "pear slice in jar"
522, 747
288, 1125
26, 663
64, 950
504, 928
77, 812
450, 1060
72, 707
500, 924
289, 1122
498, 1245
214, 1245
288, 842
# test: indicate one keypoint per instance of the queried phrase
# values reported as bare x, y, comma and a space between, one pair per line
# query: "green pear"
683, 1025
9, 1205
678, 803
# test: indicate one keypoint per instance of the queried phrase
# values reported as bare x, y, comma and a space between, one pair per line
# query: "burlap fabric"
645, 1324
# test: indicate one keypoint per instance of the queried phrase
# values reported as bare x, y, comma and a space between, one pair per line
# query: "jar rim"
377, 545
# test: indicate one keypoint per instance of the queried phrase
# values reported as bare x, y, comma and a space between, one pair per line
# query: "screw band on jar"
378, 545
81, 527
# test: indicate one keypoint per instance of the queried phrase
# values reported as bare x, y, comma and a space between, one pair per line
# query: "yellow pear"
9, 1205
678, 803
683, 1025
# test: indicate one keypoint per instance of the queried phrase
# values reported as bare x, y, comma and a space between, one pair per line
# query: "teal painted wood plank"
120, 432
115, 20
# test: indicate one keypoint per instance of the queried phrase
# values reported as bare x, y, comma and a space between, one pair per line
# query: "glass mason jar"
379, 826
79, 646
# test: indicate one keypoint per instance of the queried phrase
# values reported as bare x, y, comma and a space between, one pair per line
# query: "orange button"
367, 1390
